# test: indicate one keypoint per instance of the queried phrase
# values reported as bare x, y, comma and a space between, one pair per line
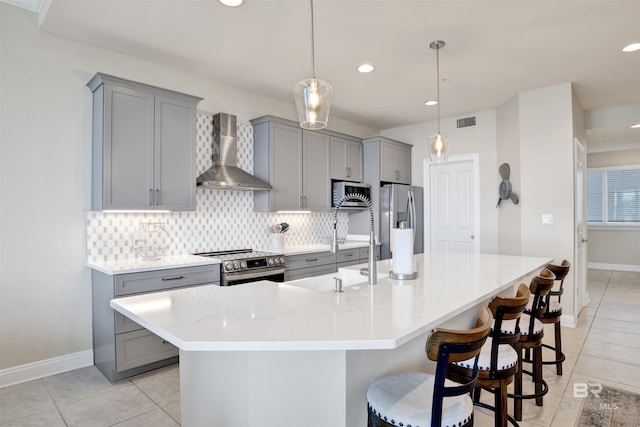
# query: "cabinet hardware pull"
150, 201
157, 197
301, 201
347, 255
165, 342
311, 259
167, 279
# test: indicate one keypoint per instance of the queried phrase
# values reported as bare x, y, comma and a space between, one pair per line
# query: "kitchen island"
288, 354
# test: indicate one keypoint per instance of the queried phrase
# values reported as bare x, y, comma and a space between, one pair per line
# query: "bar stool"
553, 313
498, 361
531, 334
417, 399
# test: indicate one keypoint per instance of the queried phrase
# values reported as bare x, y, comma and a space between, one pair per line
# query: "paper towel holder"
398, 276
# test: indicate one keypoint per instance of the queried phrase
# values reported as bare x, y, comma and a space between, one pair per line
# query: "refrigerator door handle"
412, 205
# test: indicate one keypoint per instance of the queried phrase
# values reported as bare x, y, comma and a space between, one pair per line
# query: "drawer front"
348, 255
364, 253
159, 280
124, 324
140, 348
309, 260
302, 273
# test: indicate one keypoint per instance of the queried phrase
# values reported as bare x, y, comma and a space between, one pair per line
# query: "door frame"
474, 159
581, 293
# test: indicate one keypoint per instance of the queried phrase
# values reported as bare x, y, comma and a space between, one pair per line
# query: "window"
613, 196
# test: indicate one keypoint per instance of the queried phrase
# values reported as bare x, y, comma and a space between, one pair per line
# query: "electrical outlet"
547, 218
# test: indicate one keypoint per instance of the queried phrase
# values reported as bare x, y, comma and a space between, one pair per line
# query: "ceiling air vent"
466, 122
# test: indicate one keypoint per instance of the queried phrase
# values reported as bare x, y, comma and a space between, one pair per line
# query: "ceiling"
494, 49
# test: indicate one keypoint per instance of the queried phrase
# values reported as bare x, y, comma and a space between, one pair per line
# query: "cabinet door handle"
157, 198
348, 255
304, 203
168, 279
301, 204
311, 259
150, 201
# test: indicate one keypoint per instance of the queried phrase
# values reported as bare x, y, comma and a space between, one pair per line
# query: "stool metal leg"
559, 355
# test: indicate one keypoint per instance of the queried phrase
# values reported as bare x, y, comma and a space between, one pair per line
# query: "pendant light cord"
438, 81
313, 53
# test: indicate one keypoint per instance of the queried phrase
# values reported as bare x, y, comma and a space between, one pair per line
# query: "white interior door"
452, 205
580, 269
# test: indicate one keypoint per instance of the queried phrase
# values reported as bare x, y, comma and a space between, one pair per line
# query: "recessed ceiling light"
431, 103
231, 3
637, 126
366, 68
631, 48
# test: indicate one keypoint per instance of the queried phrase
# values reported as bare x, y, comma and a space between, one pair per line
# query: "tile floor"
604, 348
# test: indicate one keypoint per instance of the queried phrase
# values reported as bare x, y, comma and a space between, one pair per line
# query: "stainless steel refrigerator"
400, 202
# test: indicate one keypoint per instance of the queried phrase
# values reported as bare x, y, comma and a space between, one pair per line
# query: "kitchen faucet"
371, 271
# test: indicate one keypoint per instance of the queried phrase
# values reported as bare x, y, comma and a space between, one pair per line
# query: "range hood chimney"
225, 174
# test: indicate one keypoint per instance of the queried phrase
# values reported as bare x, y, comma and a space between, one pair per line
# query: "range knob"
243, 265
276, 261
282, 260
270, 261
236, 265
228, 266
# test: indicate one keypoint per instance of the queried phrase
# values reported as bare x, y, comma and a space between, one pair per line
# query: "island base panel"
271, 388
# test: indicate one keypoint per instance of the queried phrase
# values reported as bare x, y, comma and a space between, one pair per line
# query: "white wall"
45, 161
547, 183
508, 151
478, 139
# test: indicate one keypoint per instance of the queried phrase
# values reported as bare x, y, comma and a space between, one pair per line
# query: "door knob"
473, 237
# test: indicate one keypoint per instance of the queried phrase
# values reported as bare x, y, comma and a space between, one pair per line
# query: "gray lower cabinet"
317, 263
295, 162
144, 142
121, 347
308, 265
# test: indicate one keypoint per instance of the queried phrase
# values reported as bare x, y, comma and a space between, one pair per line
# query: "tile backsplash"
224, 219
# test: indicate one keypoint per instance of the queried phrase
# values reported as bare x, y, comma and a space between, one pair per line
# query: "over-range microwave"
342, 188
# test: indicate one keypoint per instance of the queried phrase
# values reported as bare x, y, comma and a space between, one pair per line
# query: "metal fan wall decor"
504, 190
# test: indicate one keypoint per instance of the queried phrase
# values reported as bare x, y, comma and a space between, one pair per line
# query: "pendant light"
312, 96
438, 143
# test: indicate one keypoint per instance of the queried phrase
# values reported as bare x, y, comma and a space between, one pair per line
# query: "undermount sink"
327, 282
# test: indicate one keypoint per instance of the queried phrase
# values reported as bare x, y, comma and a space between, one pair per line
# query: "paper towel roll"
402, 256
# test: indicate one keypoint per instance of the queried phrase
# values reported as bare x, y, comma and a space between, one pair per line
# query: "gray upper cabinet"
346, 159
296, 164
393, 158
144, 141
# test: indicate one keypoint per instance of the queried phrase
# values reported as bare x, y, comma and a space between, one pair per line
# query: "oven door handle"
230, 278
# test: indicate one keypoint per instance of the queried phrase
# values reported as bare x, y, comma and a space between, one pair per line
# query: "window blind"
613, 196
623, 195
595, 207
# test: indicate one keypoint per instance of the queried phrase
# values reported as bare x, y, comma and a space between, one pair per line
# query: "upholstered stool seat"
509, 326
405, 399
507, 357
417, 399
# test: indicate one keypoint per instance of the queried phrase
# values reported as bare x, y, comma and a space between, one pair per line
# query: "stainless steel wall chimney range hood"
225, 174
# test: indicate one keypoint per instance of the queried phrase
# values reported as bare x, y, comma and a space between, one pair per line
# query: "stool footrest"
548, 362
545, 390
491, 408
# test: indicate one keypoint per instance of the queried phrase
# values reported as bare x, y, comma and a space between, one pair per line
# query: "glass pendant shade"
313, 99
438, 148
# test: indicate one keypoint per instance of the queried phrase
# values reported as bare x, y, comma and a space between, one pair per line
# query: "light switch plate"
547, 218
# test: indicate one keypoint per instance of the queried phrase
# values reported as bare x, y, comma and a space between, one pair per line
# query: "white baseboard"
569, 320
44, 368
618, 267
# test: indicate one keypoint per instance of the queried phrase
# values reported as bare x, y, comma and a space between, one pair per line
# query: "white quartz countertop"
138, 264
265, 315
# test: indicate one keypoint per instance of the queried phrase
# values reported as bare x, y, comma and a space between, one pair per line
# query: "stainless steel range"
246, 265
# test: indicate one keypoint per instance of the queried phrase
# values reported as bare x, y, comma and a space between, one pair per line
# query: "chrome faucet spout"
372, 262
